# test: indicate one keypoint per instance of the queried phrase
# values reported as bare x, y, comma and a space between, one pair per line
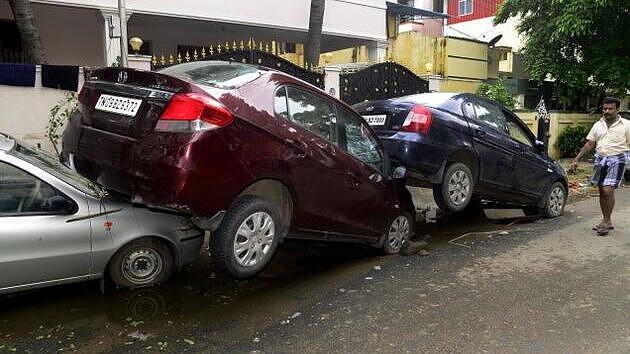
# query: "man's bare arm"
588, 147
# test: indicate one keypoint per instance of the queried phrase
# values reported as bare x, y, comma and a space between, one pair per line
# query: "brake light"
193, 112
418, 120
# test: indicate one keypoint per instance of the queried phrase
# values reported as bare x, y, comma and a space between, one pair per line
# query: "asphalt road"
547, 286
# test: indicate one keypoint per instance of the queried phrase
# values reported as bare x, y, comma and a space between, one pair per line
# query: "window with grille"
465, 7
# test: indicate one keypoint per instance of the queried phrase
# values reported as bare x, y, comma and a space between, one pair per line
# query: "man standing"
611, 138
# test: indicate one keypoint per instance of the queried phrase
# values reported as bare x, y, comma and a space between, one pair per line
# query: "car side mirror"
59, 204
540, 146
399, 172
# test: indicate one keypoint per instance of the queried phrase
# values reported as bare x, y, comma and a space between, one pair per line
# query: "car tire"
246, 253
398, 233
456, 190
555, 200
141, 263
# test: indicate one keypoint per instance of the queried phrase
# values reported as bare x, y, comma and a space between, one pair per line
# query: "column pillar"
111, 38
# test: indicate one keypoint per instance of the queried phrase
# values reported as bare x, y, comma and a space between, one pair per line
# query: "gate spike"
211, 50
253, 44
234, 45
242, 45
260, 46
179, 58
227, 46
195, 55
187, 57
203, 52
267, 47
219, 49
171, 60
154, 60
162, 60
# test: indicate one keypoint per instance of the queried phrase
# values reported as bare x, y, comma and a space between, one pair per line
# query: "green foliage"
59, 114
497, 92
580, 43
571, 140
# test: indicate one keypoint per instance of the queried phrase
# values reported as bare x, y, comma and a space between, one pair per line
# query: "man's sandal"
602, 226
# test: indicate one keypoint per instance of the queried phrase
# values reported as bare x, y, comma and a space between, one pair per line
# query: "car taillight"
193, 112
418, 120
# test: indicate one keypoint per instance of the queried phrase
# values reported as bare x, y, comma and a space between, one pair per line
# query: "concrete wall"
353, 18
25, 110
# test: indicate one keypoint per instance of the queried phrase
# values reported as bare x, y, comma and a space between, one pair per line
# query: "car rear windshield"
445, 100
225, 75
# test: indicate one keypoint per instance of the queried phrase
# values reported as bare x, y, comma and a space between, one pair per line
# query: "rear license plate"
119, 105
377, 119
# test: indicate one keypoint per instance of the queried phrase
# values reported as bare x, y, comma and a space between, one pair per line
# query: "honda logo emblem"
122, 77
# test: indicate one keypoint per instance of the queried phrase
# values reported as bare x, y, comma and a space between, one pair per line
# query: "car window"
359, 142
280, 103
51, 164
517, 133
22, 193
491, 115
313, 113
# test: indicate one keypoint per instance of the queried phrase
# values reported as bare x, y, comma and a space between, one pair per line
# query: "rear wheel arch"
277, 193
469, 159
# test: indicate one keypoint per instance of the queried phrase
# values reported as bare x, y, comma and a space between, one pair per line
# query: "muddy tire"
399, 232
141, 263
555, 200
247, 238
456, 190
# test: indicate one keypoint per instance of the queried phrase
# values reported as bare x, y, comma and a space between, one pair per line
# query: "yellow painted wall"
343, 56
448, 56
451, 85
414, 51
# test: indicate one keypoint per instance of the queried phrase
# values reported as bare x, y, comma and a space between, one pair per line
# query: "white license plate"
377, 119
119, 105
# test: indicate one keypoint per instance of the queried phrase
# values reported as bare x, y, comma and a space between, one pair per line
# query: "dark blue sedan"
466, 147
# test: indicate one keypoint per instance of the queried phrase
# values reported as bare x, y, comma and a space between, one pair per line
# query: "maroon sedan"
252, 154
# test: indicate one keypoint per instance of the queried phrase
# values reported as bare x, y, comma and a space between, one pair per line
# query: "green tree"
497, 92
579, 43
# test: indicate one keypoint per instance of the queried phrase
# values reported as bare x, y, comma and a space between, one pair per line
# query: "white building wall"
483, 30
352, 18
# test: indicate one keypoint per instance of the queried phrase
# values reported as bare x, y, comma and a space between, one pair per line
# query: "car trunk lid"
384, 116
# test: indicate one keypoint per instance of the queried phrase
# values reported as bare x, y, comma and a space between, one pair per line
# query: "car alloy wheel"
556, 201
142, 266
254, 239
459, 188
397, 235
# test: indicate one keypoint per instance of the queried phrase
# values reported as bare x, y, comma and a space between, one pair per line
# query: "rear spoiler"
128, 76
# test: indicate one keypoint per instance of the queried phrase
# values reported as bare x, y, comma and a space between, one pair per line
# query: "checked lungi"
609, 170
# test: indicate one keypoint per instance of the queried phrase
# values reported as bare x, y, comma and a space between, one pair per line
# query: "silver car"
57, 227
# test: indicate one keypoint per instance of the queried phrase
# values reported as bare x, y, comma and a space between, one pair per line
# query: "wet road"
545, 286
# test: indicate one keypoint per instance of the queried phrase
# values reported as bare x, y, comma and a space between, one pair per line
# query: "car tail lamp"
188, 112
418, 120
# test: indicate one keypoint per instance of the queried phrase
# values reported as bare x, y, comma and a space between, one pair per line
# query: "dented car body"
199, 137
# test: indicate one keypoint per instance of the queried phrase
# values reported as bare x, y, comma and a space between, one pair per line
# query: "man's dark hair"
612, 100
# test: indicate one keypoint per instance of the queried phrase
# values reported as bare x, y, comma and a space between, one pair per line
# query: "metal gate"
378, 82
262, 56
